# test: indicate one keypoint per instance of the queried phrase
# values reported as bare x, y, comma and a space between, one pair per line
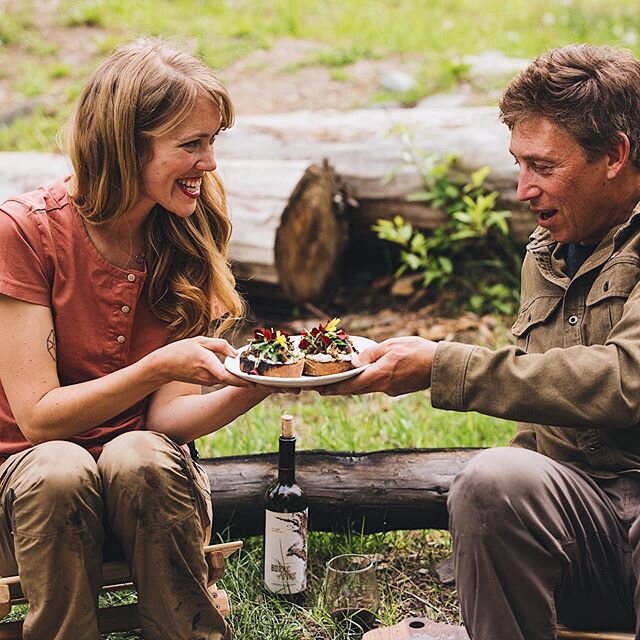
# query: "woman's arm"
46, 411
183, 413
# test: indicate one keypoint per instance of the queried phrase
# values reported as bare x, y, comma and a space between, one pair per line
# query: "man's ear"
618, 155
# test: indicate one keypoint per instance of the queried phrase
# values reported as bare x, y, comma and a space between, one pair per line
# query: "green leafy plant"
470, 254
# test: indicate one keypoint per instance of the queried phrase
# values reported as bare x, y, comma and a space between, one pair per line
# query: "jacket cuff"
448, 375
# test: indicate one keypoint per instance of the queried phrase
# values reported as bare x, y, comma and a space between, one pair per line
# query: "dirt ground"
281, 79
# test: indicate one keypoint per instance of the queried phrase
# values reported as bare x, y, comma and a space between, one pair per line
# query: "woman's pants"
56, 502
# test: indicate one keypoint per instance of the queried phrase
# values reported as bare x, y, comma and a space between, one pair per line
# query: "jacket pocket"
607, 297
530, 328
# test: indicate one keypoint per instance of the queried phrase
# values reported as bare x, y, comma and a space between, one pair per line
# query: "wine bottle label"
285, 551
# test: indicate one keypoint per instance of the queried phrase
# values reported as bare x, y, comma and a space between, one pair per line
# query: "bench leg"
221, 600
5, 600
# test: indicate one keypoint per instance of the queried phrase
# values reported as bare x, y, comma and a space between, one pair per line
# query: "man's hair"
591, 92
143, 90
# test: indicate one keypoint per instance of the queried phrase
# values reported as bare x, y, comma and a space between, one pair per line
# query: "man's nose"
527, 188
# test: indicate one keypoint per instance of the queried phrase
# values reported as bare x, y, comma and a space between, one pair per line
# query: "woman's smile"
190, 187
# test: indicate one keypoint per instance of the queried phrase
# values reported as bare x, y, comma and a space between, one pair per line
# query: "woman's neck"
119, 243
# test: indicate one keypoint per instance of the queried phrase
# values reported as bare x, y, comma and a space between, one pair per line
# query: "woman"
109, 281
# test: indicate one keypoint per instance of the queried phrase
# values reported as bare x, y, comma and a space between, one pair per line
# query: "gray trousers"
56, 506
537, 543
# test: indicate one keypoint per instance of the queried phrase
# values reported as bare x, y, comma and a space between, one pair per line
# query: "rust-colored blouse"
100, 313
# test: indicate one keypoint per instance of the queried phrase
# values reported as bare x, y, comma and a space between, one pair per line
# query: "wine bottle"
285, 530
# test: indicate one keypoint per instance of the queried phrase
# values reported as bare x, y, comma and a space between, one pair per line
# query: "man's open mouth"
546, 214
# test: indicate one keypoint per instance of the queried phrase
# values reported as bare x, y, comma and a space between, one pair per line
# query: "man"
548, 529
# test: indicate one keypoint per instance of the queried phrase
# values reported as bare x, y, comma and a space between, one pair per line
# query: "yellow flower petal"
333, 324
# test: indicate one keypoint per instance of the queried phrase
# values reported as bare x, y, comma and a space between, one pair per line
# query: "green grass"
406, 560
363, 423
434, 34
405, 578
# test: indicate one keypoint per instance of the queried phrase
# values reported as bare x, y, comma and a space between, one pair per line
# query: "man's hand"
398, 365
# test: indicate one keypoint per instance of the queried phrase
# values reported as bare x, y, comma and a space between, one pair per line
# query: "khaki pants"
537, 542
57, 502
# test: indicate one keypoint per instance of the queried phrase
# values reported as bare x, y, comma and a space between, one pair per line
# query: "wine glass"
351, 593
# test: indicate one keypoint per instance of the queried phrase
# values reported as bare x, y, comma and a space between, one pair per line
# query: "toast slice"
272, 353
328, 349
316, 368
272, 369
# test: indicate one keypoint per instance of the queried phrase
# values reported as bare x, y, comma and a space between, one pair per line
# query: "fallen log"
288, 204
364, 147
363, 492
289, 227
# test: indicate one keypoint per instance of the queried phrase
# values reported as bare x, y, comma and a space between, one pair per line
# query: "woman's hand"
196, 360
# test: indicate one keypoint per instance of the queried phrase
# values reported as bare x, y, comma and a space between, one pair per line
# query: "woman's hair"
143, 90
591, 92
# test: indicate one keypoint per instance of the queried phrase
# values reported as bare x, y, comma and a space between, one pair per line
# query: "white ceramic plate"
233, 365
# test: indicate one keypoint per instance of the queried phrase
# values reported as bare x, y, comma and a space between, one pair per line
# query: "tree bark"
365, 147
289, 226
364, 492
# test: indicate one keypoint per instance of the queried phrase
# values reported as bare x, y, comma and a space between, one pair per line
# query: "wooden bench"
116, 577
570, 634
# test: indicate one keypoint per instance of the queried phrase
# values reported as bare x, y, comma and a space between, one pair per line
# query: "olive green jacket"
573, 378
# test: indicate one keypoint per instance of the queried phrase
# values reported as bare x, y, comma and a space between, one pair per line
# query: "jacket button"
121, 339
573, 320
131, 277
605, 287
593, 448
125, 308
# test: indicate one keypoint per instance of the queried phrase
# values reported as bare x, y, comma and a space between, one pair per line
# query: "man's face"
573, 198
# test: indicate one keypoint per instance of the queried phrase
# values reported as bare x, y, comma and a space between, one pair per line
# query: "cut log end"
312, 236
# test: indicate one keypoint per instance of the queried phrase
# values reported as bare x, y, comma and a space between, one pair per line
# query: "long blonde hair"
142, 90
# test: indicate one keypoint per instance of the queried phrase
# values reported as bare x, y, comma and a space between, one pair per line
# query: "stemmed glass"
351, 593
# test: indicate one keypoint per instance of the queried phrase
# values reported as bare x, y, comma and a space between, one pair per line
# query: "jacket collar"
543, 249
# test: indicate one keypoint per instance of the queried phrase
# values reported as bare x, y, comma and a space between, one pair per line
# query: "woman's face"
179, 159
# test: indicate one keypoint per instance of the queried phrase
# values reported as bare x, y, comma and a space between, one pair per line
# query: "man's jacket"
573, 378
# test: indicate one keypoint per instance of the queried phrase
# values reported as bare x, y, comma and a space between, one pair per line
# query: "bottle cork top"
286, 426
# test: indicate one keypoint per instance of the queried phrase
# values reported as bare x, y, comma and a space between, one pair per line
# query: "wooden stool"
423, 629
115, 578
418, 629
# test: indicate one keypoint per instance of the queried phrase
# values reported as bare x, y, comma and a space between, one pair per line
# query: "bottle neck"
287, 461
